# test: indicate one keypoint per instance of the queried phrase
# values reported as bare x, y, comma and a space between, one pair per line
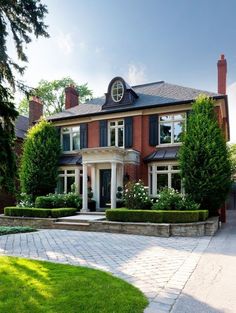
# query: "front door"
105, 188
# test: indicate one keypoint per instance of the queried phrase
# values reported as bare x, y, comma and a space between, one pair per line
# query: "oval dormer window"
117, 91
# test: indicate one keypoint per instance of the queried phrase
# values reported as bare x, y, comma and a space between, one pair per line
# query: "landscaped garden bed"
39, 212
64, 288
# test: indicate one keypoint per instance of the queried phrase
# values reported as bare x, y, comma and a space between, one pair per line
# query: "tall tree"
52, 94
204, 157
39, 163
19, 19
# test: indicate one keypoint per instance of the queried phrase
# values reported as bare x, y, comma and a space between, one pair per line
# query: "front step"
71, 225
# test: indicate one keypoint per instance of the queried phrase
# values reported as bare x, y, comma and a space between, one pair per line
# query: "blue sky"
142, 41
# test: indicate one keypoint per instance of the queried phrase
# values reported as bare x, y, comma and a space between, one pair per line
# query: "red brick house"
131, 133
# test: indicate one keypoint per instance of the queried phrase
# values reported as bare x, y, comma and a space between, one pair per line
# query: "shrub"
204, 158
125, 215
170, 199
180, 216
25, 200
70, 200
5, 230
203, 215
38, 212
136, 196
39, 163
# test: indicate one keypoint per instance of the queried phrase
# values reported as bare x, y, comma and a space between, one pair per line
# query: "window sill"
166, 145
71, 152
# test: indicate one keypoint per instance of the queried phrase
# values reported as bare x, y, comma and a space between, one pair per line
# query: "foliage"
119, 194
136, 196
39, 212
70, 200
43, 287
25, 201
6, 230
204, 158
39, 164
232, 151
8, 114
170, 199
52, 94
156, 216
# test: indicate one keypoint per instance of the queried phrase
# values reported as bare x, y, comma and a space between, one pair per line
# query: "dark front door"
105, 188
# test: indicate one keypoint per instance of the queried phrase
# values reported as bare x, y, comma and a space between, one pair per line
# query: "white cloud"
65, 42
231, 90
136, 74
83, 45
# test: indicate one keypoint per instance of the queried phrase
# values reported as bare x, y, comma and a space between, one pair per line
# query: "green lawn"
28, 286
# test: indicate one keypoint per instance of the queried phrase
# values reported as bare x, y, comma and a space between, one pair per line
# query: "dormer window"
117, 91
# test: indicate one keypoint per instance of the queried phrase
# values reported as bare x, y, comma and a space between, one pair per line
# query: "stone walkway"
160, 267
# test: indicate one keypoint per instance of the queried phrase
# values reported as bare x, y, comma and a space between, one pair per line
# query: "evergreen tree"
39, 163
204, 157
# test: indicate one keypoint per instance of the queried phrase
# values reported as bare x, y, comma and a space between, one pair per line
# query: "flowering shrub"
25, 200
136, 196
170, 199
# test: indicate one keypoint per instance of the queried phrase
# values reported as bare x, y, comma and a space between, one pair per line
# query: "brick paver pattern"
160, 267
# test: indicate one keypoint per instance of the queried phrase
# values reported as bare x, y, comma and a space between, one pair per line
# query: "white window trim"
77, 174
70, 132
171, 121
152, 168
112, 90
116, 127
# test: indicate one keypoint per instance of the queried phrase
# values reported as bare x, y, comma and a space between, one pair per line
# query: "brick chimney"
72, 97
35, 110
222, 73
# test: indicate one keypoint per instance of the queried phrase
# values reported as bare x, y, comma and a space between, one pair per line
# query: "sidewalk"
212, 286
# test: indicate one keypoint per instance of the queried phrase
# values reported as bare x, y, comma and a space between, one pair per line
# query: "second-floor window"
70, 138
171, 128
116, 133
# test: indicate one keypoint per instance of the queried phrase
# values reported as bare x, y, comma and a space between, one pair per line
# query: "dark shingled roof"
162, 154
152, 94
21, 126
70, 160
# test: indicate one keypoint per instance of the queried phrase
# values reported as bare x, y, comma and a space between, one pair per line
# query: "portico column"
85, 188
113, 185
93, 181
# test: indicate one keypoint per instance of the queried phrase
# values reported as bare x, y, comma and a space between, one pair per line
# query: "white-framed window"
162, 175
69, 179
117, 91
116, 133
70, 138
171, 128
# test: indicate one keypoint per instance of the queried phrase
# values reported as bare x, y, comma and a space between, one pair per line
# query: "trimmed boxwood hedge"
155, 216
38, 212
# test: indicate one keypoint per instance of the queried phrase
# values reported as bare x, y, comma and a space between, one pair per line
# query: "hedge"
38, 212
52, 201
151, 216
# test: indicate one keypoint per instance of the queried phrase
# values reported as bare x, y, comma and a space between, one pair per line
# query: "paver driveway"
160, 267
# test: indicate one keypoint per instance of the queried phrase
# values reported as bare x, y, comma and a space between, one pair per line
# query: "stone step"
71, 225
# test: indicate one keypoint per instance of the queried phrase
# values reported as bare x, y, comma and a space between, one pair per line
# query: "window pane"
75, 129
175, 167
120, 137
176, 181
70, 171
65, 130
70, 182
120, 122
165, 117
178, 131
179, 116
112, 123
162, 181
66, 142
165, 133
162, 168
112, 135
60, 185
76, 141
61, 172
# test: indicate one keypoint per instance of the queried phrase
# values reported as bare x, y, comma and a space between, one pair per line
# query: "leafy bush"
25, 200
136, 196
170, 199
125, 215
38, 212
204, 158
151, 216
6, 230
39, 163
70, 200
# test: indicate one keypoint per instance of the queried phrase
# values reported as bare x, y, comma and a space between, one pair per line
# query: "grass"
6, 230
42, 287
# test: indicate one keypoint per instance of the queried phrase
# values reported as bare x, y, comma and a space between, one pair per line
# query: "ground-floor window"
163, 175
69, 179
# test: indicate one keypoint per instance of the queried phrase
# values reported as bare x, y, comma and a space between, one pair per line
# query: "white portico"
107, 171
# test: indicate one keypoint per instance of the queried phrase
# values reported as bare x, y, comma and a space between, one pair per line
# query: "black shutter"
153, 130
83, 135
128, 132
103, 133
